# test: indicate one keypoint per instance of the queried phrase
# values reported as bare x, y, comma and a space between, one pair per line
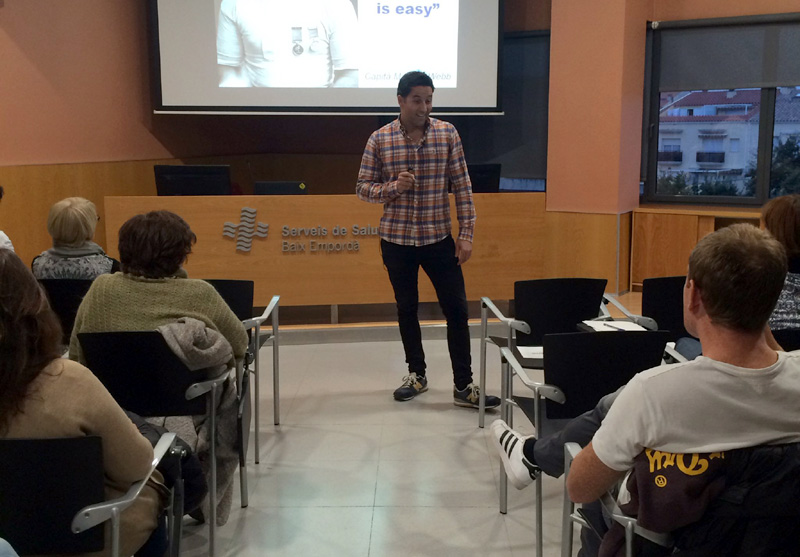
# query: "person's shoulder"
655, 377
442, 125
69, 374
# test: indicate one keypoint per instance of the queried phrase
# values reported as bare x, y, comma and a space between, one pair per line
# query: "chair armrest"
675, 354
257, 321
515, 324
92, 515
550, 392
611, 299
611, 507
571, 450
202, 387
647, 322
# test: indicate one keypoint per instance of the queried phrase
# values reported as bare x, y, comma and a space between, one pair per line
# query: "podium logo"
246, 229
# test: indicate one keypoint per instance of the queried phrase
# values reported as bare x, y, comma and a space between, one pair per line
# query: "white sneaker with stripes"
508, 443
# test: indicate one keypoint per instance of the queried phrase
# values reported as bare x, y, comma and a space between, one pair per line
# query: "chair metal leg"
211, 402
276, 400
115, 532
505, 411
537, 401
567, 510
176, 519
243, 484
257, 391
482, 380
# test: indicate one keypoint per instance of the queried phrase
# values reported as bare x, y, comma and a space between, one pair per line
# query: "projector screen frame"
154, 55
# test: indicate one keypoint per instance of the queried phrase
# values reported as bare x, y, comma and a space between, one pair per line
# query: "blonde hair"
72, 222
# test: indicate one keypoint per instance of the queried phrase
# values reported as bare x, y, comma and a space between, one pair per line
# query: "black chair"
52, 496
541, 307
662, 300
789, 339
144, 376
239, 296
65, 296
579, 369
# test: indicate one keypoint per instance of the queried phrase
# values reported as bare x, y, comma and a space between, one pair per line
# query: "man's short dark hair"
411, 80
154, 245
739, 271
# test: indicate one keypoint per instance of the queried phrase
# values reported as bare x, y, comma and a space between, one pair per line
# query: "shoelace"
409, 380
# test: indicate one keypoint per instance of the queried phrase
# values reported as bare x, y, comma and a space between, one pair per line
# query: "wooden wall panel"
31, 190
625, 226
661, 244
500, 256
581, 245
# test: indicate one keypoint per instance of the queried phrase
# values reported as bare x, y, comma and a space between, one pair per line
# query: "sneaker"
470, 397
520, 471
413, 385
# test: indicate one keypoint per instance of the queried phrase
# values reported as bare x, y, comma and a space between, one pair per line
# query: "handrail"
92, 515
550, 392
515, 324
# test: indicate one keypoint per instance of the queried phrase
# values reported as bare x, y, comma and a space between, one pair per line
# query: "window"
709, 166
722, 126
785, 165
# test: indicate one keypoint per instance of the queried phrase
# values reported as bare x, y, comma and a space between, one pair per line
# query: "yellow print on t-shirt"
696, 463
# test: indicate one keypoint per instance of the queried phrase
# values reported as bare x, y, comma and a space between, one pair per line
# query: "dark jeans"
441, 265
548, 454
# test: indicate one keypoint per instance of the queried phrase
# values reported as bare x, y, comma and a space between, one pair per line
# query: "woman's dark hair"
30, 334
782, 219
154, 245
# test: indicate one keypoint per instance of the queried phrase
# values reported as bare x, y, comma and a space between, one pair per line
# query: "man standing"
408, 166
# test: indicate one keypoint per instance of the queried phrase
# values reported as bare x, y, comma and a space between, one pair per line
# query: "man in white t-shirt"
287, 43
740, 393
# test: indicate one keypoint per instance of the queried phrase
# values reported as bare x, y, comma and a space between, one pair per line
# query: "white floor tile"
352, 472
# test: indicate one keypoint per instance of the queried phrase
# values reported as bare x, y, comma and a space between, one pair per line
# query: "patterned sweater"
786, 314
123, 302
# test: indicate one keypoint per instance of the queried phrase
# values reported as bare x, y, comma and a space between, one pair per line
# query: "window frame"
650, 127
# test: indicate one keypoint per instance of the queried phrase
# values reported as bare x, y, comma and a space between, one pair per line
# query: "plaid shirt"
419, 216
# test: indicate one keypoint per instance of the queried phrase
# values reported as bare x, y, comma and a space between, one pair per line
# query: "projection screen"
322, 56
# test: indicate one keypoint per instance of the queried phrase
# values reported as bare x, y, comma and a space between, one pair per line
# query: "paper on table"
613, 325
531, 351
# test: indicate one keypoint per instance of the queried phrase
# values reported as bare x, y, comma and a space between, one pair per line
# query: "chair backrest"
65, 296
587, 366
142, 373
789, 339
237, 293
662, 300
43, 484
555, 305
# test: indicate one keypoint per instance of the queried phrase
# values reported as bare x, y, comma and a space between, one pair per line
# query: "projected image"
287, 43
401, 35
335, 43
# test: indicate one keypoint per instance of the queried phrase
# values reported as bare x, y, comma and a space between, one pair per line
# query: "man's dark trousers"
441, 265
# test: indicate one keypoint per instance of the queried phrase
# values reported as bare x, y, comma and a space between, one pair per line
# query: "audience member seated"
151, 292
741, 393
71, 223
782, 219
43, 395
5, 243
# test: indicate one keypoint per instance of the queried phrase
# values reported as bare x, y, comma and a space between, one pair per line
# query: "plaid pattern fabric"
421, 216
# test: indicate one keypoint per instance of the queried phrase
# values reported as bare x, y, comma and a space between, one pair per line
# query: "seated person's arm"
589, 478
